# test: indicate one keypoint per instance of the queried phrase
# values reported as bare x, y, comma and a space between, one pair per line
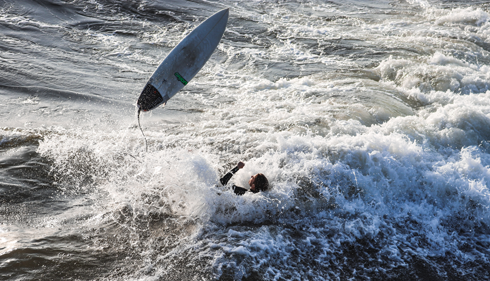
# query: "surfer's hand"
240, 165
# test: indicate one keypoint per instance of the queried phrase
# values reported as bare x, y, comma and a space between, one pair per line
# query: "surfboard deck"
183, 62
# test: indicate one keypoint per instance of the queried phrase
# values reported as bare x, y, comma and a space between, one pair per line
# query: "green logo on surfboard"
180, 78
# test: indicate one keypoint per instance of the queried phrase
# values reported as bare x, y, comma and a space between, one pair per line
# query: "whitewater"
371, 120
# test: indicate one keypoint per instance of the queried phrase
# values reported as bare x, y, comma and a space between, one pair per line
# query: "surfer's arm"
224, 180
239, 190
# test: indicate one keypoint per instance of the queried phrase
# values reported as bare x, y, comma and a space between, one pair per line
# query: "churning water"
371, 120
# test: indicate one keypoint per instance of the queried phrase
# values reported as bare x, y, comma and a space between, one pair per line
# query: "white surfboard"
183, 62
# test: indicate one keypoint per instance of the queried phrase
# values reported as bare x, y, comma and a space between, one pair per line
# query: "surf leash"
141, 129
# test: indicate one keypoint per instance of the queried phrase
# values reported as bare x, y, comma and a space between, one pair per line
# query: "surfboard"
183, 62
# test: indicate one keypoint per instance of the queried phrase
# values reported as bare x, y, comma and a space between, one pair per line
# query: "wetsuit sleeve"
224, 180
239, 190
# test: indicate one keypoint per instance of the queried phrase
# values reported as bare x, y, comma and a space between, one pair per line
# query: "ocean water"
371, 120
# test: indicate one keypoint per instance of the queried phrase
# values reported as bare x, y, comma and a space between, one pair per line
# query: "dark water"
370, 118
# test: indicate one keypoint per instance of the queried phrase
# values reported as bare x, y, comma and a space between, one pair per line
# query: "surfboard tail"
150, 98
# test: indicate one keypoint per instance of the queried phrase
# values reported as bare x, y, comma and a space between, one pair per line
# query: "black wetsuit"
237, 189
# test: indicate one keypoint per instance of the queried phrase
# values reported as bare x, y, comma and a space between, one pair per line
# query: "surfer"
257, 182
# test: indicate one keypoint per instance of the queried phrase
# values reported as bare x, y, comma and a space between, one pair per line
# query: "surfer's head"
258, 183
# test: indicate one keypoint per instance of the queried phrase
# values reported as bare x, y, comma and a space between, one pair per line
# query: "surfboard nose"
223, 15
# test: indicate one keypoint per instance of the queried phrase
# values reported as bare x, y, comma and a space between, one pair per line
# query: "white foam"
436, 79
468, 15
